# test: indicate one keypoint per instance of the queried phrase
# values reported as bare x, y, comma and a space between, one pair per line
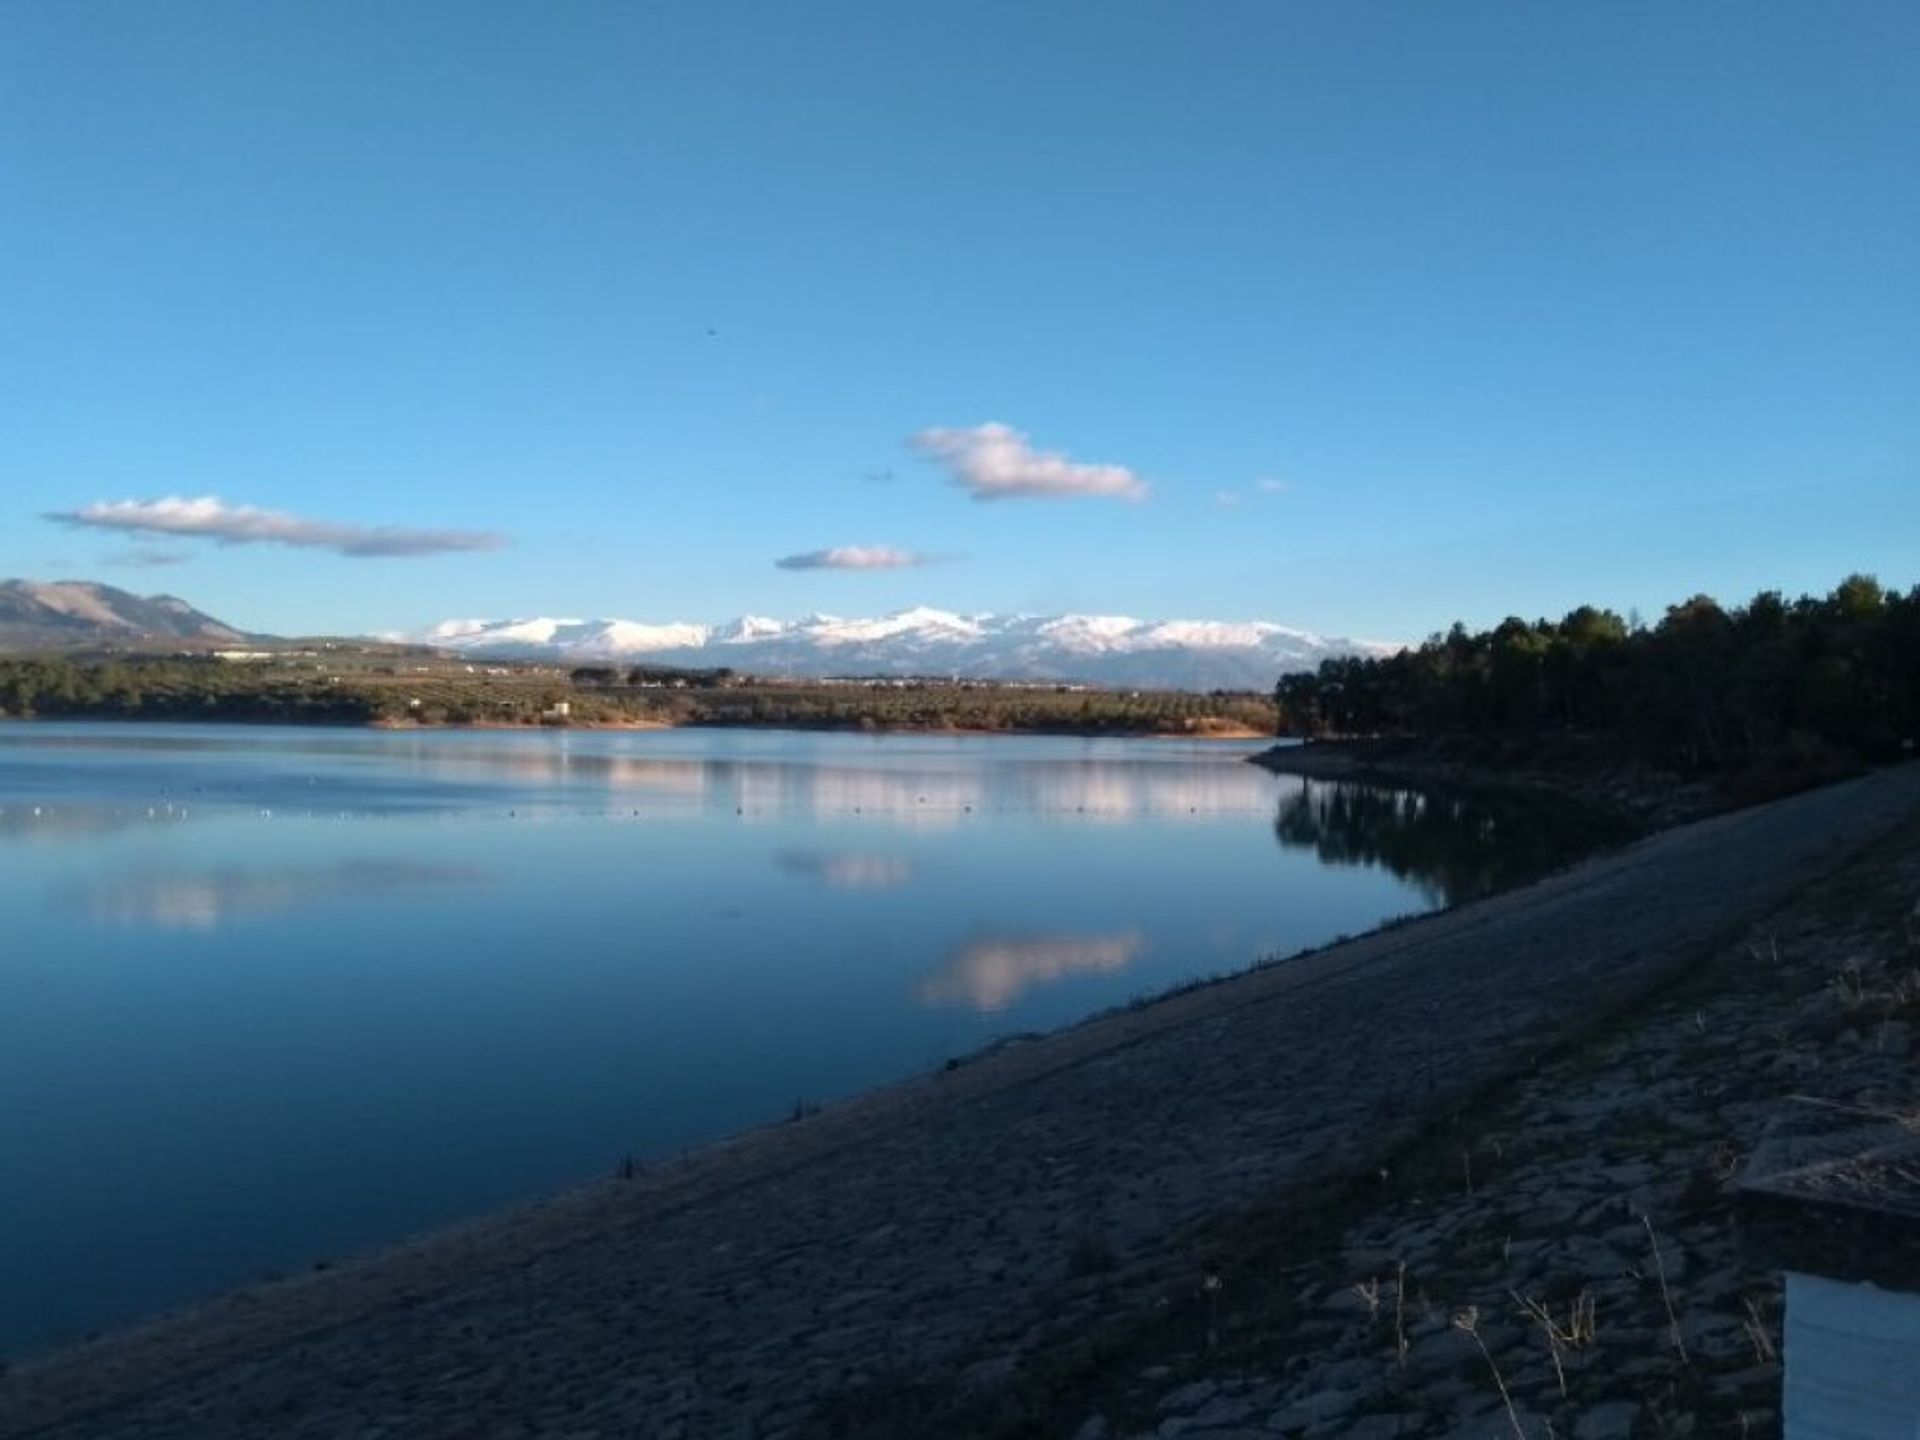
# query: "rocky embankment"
1566, 1258
1167, 1221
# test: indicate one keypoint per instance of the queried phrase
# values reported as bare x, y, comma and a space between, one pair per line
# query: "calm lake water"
269, 996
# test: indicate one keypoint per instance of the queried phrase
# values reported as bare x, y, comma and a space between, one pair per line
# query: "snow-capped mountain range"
1096, 649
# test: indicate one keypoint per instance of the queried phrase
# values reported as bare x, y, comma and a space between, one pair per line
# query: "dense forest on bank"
1705, 690
344, 689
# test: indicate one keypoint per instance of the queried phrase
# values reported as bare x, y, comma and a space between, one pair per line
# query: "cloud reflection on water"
206, 900
991, 974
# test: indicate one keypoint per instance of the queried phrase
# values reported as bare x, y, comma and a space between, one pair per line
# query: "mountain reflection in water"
1455, 846
848, 870
930, 794
206, 900
33, 824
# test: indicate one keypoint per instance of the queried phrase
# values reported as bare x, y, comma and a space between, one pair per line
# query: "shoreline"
1646, 801
1223, 734
1623, 1154
1250, 1113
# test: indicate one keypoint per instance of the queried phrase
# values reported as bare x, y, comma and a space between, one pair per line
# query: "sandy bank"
927, 1235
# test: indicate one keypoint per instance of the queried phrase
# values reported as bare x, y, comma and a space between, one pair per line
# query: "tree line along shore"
339, 686
1806, 688
1708, 705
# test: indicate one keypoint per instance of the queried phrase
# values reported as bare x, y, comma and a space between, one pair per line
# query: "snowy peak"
598, 639
747, 627
917, 624
1097, 649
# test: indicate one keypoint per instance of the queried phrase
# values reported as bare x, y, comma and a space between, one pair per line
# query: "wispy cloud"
214, 519
853, 557
997, 462
142, 557
1228, 499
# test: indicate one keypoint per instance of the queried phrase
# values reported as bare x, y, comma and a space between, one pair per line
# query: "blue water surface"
269, 996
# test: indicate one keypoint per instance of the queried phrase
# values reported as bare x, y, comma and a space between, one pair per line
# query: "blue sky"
606, 309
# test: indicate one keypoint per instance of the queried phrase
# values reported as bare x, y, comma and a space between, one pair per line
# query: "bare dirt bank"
892, 1261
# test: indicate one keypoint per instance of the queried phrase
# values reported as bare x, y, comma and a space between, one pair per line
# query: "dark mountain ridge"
79, 615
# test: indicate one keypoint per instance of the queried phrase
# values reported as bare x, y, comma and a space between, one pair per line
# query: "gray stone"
1356, 1374
1611, 1421
1188, 1397
1592, 1259
994, 1371
1441, 1352
1223, 1411
1547, 1220
1314, 1409
1383, 1427
1188, 1427
1474, 1403
1495, 1424
1755, 1380
1345, 1300
1628, 1176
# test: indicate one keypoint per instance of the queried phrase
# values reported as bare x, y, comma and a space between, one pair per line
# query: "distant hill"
77, 615
1107, 650
1104, 650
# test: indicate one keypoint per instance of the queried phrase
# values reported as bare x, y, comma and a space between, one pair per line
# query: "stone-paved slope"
1573, 1246
937, 1229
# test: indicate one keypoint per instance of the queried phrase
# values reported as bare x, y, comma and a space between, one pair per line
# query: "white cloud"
214, 519
996, 462
1271, 486
853, 557
1226, 499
